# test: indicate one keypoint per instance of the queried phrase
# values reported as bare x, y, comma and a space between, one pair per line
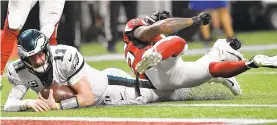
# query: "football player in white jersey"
50, 12
41, 64
153, 53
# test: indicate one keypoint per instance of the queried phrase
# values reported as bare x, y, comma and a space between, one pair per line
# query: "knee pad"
184, 42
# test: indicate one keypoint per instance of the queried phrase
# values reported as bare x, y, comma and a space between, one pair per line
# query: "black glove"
202, 19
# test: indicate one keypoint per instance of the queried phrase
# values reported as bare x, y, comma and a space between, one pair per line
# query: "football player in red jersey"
152, 52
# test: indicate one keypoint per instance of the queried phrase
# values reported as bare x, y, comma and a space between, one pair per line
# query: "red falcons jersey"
133, 47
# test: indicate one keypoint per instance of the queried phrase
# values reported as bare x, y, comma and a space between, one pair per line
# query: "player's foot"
226, 50
262, 61
234, 43
230, 83
149, 59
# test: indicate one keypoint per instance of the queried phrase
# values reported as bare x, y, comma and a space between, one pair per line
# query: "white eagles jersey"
68, 67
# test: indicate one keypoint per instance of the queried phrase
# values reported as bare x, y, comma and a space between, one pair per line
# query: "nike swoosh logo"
121, 97
231, 82
70, 58
235, 55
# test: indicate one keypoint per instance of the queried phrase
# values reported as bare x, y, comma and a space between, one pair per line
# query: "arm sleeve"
14, 102
75, 66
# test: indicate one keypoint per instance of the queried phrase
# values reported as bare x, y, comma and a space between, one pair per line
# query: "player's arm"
14, 102
168, 26
84, 95
78, 81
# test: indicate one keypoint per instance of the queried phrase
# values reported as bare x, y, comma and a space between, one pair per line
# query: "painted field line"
259, 73
214, 105
154, 120
205, 105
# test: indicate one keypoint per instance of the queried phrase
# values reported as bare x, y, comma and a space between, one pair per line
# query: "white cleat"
230, 83
226, 52
149, 59
262, 61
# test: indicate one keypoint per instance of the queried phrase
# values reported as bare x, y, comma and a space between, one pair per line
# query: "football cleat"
234, 43
226, 51
262, 61
149, 59
230, 83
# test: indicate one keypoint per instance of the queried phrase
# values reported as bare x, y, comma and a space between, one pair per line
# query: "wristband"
196, 21
69, 103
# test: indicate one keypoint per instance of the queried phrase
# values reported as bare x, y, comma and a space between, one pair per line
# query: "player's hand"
38, 105
50, 101
202, 19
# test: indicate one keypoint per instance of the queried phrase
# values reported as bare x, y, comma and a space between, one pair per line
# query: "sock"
172, 47
227, 69
8, 39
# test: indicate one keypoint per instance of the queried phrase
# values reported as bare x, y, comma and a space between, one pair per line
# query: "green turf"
257, 89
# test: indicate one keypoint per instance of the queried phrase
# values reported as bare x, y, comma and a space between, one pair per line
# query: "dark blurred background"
103, 21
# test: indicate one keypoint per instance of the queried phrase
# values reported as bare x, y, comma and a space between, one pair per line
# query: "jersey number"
33, 83
130, 59
60, 54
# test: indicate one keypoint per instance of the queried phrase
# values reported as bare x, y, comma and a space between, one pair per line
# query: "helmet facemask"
157, 16
42, 68
29, 46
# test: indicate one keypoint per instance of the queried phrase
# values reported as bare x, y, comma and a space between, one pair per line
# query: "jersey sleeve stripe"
82, 65
114, 80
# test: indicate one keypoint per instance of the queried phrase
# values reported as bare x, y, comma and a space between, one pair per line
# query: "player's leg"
121, 89
224, 50
232, 68
17, 14
171, 46
123, 95
50, 14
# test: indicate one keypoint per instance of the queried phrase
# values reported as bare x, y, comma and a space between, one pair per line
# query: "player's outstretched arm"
14, 102
169, 26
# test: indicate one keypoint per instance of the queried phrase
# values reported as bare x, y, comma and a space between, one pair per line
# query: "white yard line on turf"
213, 105
260, 73
207, 105
193, 120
